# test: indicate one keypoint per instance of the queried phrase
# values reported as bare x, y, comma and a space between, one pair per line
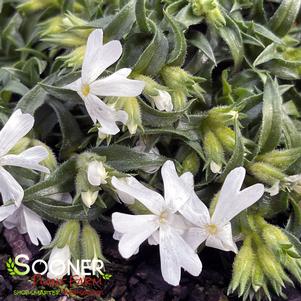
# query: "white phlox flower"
216, 230
17, 126
26, 221
163, 225
98, 57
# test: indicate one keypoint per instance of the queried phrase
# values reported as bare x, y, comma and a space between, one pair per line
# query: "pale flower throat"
212, 229
85, 89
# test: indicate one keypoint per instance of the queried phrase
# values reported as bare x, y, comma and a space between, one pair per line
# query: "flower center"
212, 229
163, 217
85, 89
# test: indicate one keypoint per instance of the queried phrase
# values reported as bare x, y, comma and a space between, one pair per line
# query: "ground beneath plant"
139, 279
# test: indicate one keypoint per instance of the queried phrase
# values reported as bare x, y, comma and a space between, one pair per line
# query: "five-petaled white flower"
216, 230
163, 225
16, 128
98, 57
26, 221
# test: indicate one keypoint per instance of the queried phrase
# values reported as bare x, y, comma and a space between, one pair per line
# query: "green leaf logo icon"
12, 269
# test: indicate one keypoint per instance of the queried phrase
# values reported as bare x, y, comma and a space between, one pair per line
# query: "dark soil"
139, 279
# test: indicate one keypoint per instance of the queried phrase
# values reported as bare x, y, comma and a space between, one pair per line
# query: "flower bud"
182, 85
68, 234
191, 163
71, 21
226, 136
23, 144
131, 106
31, 6
270, 265
75, 58
90, 244
50, 162
266, 173
156, 93
51, 26
69, 39
89, 197
214, 151
281, 159
258, 280
242, 267
210, 9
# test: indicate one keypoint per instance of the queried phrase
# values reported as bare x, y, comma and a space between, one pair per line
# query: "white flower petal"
174, 254
131, 238
16, 220
99, 57
149, 198
17, 126
231, 200
64, 197
154, 239
89, 197
36, 229
96, 173
124, 223
176, 193
6, 211
274, 190
30, 159
75, 86
10, 189
58, 257
195, 237
223, 240
194, 210
106, 116
163, 101
117, 85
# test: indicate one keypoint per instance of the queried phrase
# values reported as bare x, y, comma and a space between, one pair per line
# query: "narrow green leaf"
198, 40
125, 159
294, 222
178, 54
71, 132
126, 17
232, 36
271, 128
285, 16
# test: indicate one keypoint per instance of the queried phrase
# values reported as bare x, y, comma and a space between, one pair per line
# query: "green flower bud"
179, 99
75, 58
221, 116
70, 39
214, 150
50, 162
266, 173
191, 163
71, 21
210, 9
23, 144
226, 136
68, 234
31, 6
182, 84
132, 107
281, 159
258, 280
242, 267
51, 26
270, 265
90, 244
